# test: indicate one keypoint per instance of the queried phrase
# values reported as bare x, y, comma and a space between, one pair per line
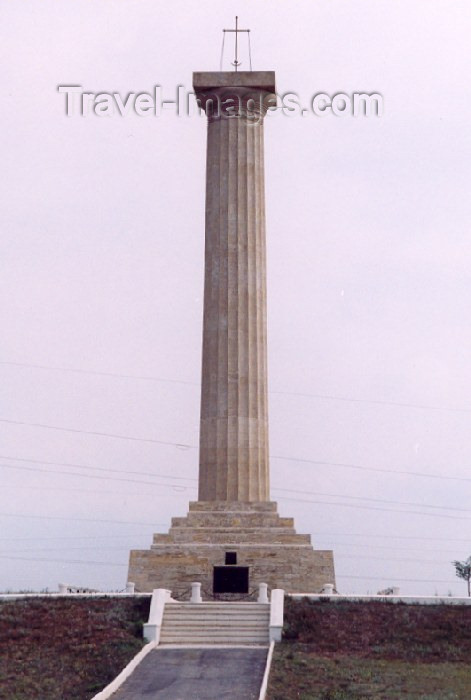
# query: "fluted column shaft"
234, 420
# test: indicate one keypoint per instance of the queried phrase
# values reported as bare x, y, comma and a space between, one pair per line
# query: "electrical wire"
99, 434
100, 469
188, 487
374, 500
64, 561
388, 578
126, 549
393, 537
187, 446
78, 519
382, 510
361, 467
327, 397
118, 375
37, 470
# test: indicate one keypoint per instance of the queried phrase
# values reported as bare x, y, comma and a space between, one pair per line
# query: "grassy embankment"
68, 649
358, 651
65, 648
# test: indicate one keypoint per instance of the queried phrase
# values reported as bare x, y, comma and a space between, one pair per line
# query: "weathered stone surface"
273, 551
233, 512
260, 80
234, 417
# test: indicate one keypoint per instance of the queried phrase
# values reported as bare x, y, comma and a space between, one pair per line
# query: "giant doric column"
234, 420
233, 538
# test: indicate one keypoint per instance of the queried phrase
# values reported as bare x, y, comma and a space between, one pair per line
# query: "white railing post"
152, 628
262, 593
276, 614
196, 593
130, 586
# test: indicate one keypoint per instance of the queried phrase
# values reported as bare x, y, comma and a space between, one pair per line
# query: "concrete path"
196, 674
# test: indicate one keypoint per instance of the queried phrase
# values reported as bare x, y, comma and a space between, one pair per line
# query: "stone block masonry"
262, 540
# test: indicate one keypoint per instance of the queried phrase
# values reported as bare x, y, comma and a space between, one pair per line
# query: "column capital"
234, 94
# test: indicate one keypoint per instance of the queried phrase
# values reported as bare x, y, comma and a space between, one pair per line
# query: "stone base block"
260, 538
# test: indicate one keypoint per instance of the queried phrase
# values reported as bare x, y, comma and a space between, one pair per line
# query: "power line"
350, 545
127, 494
94, 476
394, 537
100, 374
315, 534
373, 500
63, 561
391, 559
87, 520
383, 510
65, 549
329, 503
102, 563
95, 432
133, 539
187, 487
69, 537
377, 402
100, 469
187, 446
347, 465
391, 578
126, 549
328, 397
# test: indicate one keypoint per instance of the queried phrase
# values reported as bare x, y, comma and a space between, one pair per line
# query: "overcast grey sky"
101, 270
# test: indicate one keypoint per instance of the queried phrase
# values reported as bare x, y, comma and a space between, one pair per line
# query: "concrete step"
214, 625
235, 615
216, 611
226, 604
213, 633
205, 609
233, 619
217, 623
215, 642
214, 617
214, 622
202, 609
212, 639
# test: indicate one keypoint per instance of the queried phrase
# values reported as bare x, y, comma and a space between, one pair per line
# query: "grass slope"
357, 651
65, 648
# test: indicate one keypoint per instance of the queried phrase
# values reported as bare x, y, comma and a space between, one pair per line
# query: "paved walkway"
196, 674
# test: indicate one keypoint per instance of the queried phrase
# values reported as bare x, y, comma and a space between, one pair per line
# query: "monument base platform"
219, 543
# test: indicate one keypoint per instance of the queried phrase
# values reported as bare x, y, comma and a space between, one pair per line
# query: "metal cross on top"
236, 63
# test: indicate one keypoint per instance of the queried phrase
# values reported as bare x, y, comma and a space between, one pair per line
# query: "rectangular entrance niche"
231, 579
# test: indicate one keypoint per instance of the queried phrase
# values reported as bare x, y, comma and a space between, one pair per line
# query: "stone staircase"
217, 623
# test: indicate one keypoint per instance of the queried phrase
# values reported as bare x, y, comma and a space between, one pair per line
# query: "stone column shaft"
234, 420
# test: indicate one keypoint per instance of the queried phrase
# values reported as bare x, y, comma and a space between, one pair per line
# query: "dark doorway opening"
231, 579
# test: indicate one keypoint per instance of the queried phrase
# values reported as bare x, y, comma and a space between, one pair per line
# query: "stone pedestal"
262, 540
